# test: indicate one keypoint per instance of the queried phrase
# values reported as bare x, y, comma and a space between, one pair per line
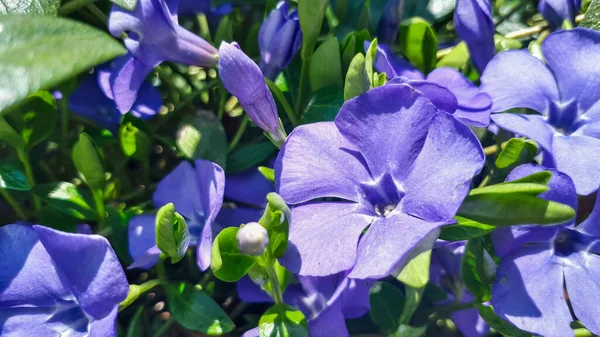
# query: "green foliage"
135, 141
247, 156
477, 269
311, 14
172, 233
357, 79
12, 178
353, 44
227, 262
202, 137
88, 162
282, 320
592, 16
31, 123
276, 220
464, 229
323, 105
325, 66
66, 198
419, 43
517, 151
34, 7
387, 304
498, 324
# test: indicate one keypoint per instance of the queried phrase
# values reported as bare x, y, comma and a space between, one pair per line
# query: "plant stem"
98, 13
13, 203
239, 133
135, 291
164, 328
99, 201
300, 97
275, 287
456, 307
72, 6
160, 267
283, 101
24, 158
493, 149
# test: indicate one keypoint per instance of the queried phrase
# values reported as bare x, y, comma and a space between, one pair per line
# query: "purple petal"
449, 159
515, 79
355, 298
371, 122
330, 322
530, 126
319, 147
105, 327
387, 29
142, 241
252, 333
181, 188
278, 40
474, 24
250, 292
386, 61
89, 268
43, 321
126, 81
249, 187
234, 217
528, 292
577, 156
558, 11
378, 251
582, 279
272, 24
591, 225
335, 236
470, 323
440, 96
90, 102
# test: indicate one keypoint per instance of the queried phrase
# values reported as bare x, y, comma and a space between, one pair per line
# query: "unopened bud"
252, 238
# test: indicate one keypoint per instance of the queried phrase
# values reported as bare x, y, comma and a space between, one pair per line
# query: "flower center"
382, 197
384, 210
566, 242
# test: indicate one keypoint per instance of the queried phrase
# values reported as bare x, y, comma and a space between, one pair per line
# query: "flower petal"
181, 188
558, 11
579, 157
142, 241
474, 24
323, 238
591, 224
386, 61
582, 279
530, 126
43, 321
127, 79
330, 322
105, 327
469, 323
249, 187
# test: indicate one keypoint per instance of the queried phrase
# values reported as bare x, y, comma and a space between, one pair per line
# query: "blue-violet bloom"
152, 36
57, 284
540, 264
474, 25
562, 92
387, 28
558, 11
197, 194
386, 158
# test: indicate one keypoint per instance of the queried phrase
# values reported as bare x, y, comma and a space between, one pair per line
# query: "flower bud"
252, 238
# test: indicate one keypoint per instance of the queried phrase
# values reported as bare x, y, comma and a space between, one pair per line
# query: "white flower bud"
252, 238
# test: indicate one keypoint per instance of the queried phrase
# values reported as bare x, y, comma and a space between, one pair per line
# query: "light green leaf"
311, 14
267, 172
457, 58
357, 78
282, 320
324, 105
227, 262
419, 43
387, 304
30, 7
504, 43
88, 162
326, 66
464, 229
517, 151
67, 198
39, 52
203, 137
172, 233
510, 188
416, 272
409, 331
134, 141
369, 60
12, 178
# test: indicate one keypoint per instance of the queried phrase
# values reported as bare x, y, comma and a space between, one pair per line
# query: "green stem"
99, 201
300, 97
98, 13
72, 6
24, 158
493, 149
275, 287
13, 203
456, 307
164, 328
135, 291
160, 267
239, 133
283, 101
222, 100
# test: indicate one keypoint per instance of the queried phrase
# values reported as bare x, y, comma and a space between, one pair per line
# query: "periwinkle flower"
558, 11
252, 239
474, 25
93, 99
542, 266
562, 92
387, 28
197, 193
152, 36
58, 284
325, 302
279, 40
447, 88
445, 272
244, 80
387, 159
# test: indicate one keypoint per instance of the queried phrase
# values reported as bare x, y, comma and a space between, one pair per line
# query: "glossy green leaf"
353, 44
326, 66
248, 156
227, 262
542, 178
592, 16
419, 43
67, 198
311, 14
387, 304
323, 106
39, 52
464, 229
477, 270
357, 78
416, 271
370, 55
194, 309
88, 162
172, 233
517, 151
500, 325
510, 188
12, 178
457, 58
276, 219
203, 137
282, 320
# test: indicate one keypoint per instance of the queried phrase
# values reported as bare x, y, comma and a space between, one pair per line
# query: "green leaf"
311, 14
67, 198
134, 141
267, 172
282, 320
592, 16
194, 309
387, 304
127, 4
227, 262
357, 78
419, 43
326, 66
416, 272
510, 187
464, 229
412, 298
247, 156
203, 137
542, 177
498, 324
224, 31
369, 60
39, 52
477, 270
88, 162
323, 106
32, 7
504, 43
10, 135
12, 178
119, 223
353, 44
517, 151
276, 219
172, 233
37, 118
457, 58
409, 331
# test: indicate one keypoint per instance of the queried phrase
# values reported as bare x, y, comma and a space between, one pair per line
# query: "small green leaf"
10, 135
88, 162
477, 270
592, 16
457, 58
67, 198
323, 106
276, 220
416, 272
311, 14
509, 188
353, 44
227, 262
172, 233
409, 331
357, 78
282, 320
326, 66
387, 304
517, 151
370, 55
464, 229
134, 141
12, 178
39, 52
203, 137
248, 156
419, 43
267, 172
37, 118
498, 324
194, 309
504, 43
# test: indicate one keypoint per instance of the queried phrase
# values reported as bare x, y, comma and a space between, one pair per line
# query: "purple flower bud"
279, 39
558, 11
474, 24
387, 29
252, 239
244, 80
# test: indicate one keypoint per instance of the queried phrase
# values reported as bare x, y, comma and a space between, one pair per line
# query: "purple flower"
55, 283
197, 194
537, 262
474, 24
387, 28
152, 36
562, 92
279, 39
244, 80
387, 158
447, 88
445, 272
93, 99
325, 301
558, 11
